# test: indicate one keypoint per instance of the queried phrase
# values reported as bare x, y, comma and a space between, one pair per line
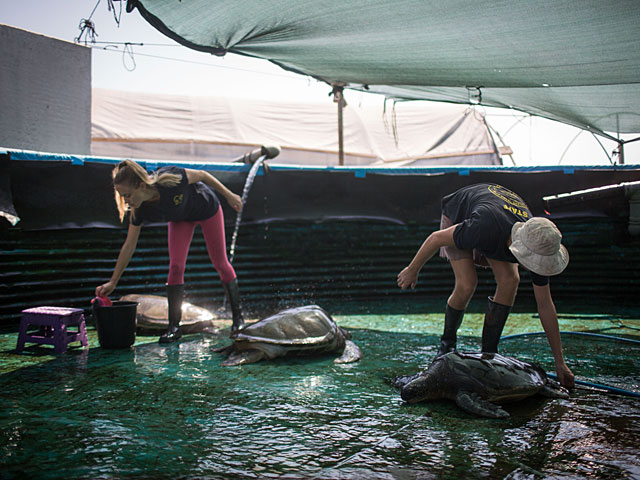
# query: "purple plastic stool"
53, 323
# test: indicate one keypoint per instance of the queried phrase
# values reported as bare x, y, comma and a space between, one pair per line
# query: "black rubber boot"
452, 321
233, 296
175, 293
494, 322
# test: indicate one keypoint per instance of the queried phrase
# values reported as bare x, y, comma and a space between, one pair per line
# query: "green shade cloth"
575, 62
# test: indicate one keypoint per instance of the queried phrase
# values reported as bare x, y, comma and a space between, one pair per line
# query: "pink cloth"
102, 301
180, 236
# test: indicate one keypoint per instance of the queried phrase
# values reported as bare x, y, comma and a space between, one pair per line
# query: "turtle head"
425, 386
421, 389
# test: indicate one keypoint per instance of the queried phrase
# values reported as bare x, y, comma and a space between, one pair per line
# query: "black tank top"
183, 202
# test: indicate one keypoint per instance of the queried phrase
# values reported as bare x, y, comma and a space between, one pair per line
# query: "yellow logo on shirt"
177, 199
514, 203
516, 211
508, 196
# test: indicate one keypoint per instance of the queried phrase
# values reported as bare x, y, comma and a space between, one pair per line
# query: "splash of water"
245, 194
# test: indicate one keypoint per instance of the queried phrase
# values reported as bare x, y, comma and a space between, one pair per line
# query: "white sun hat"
536, 245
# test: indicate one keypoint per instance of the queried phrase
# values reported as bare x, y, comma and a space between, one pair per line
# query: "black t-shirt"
485, 214
184, 202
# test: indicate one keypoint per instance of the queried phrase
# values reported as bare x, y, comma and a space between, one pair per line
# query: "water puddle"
174, 412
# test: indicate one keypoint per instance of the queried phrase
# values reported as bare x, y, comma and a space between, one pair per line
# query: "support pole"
621, 152
338, 97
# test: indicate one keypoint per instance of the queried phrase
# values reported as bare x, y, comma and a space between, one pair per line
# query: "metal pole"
338, 97
621, 152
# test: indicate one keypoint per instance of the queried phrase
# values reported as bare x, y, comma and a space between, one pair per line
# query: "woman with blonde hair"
184, 198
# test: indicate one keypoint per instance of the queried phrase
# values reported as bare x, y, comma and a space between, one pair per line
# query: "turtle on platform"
477, 382
307, 330
153, 315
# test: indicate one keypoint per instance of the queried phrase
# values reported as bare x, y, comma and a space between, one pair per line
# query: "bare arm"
194, 176
549, 321
126, 252
408, 277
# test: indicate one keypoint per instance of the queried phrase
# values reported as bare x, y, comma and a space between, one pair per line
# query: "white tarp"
215, 129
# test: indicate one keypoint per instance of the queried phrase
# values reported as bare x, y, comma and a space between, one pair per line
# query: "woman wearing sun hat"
491, 226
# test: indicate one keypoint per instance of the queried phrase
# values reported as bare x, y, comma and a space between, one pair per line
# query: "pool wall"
52, 191
308, 234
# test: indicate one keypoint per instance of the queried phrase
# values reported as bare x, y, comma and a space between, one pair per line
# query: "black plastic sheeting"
7, 209
307, 236
52, 194
288, 264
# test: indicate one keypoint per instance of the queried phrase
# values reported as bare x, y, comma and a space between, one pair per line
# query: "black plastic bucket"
116, 324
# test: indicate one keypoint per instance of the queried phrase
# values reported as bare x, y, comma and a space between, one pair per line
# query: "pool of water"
158, 411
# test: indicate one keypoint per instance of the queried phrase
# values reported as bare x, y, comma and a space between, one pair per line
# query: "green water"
173, 411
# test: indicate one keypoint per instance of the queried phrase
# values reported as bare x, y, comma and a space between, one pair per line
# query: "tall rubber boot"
175, 294
233, 296
494, 321
452, 321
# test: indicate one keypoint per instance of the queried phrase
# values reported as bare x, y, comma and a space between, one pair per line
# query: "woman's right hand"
105, 289
235, 201
407, 278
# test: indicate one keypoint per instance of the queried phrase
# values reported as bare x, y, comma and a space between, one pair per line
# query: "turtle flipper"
350, 354
553, 389
241, 358
473, 403
226, 349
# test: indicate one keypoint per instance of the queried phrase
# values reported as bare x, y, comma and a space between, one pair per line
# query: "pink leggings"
180, 235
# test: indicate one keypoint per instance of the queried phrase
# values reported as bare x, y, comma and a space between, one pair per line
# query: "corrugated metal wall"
290, 262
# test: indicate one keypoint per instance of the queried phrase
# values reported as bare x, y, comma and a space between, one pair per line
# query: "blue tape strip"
359, 172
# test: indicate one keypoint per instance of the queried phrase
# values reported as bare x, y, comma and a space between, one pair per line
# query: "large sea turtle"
476, 380
307, 330
153, 315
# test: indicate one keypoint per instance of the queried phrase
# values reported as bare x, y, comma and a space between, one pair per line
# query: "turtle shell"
153, 314
492, 376
307, 327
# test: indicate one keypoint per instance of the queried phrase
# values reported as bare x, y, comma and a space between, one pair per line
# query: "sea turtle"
476, 380
307, 330
153, 316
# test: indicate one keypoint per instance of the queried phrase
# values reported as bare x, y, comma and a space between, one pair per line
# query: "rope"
112, 7
128, 52
87, 27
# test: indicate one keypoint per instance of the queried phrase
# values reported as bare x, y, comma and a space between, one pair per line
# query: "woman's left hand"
235, 201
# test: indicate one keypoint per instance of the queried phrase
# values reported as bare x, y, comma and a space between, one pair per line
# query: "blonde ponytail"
133, 175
